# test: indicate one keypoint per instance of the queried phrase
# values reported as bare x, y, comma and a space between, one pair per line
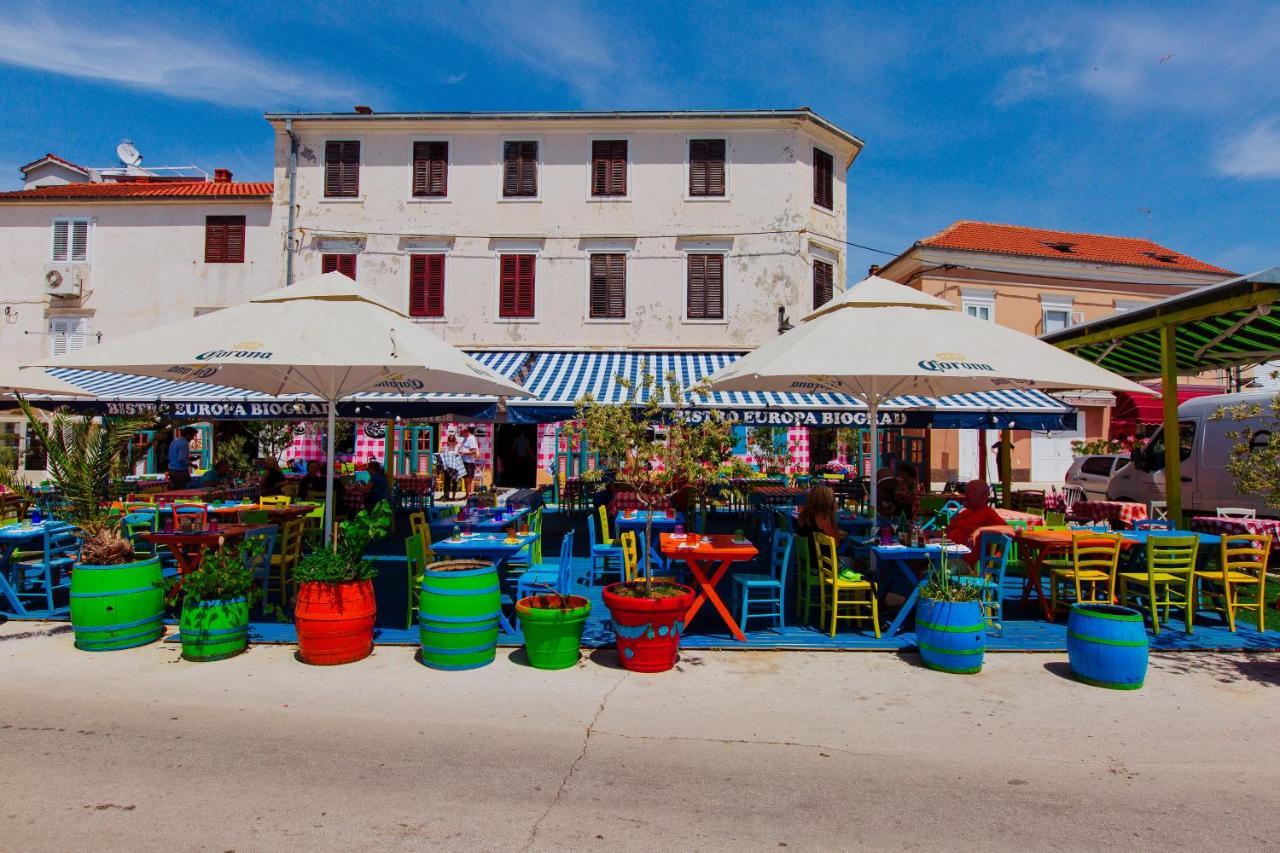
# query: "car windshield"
1153, 450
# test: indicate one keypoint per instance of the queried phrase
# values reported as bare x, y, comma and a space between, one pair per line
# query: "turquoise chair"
133, 525
993, 561
556, 576
767, 592
602, 554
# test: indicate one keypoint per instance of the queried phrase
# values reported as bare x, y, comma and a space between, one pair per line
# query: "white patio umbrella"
879, 340
33, 381
326, 336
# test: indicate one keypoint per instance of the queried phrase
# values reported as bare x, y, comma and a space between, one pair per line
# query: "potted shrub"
951, 629
648, 616
117, 600
215, 603
552, 624
336, 609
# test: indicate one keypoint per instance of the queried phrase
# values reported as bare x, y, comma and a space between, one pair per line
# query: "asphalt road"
139, 751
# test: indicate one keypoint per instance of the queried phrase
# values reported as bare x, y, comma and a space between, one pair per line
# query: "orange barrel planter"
648, 629
335, 621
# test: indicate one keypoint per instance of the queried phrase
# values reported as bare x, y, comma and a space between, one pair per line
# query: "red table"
1221, 524
188, 548
723, 551
1122, 511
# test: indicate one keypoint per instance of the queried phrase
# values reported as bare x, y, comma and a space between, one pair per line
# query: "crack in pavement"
818, 746
564, 782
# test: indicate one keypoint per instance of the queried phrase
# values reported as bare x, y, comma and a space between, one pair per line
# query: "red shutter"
609, 167
431, 169
224, 239
426, 286
608, 286
342, 169
706, 287
706, 167
516, 286
823, 283
345, 264
520, 169
824, 169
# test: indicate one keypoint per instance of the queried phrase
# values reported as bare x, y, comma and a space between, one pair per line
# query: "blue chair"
602, 554
133, 525
38, 579
1153, 524
557, 576
772, 588
993, 560
260, 563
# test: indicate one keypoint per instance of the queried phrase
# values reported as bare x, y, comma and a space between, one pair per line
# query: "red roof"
1067, 245
144, 189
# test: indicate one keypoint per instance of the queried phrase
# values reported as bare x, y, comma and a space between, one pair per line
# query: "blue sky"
1072, 116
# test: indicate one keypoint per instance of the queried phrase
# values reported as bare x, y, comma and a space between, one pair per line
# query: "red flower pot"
648, 629
335, 621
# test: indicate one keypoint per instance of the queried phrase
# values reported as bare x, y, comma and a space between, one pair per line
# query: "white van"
1207, 444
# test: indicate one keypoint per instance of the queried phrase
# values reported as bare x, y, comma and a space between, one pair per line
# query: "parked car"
1207, 444
1093, 473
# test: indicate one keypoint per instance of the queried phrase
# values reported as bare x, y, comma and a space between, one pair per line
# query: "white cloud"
455, 79
1255, 153
190, 68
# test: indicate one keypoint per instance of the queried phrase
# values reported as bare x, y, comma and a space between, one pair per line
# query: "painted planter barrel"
117, 607
952, 635
335, 621
458, 612
1107, 646
553, 635
214, 630
648, 629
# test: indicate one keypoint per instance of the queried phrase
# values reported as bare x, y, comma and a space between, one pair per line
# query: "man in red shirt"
967, 523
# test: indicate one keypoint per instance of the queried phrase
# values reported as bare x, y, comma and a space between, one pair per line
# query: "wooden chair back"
630, 554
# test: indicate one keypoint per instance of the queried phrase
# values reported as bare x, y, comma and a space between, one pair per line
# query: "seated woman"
818, 515
977, 514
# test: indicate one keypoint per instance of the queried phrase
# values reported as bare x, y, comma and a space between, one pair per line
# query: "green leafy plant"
1100, 446
1254, 462
346, 561
83, 452
941, 585
272, 437
224, 573
234, 450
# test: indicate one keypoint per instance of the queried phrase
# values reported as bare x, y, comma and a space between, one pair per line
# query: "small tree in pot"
215, 603
648, 617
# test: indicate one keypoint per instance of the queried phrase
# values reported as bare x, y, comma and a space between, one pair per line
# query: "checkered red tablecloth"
1025, 517
1121, 511
1221, 524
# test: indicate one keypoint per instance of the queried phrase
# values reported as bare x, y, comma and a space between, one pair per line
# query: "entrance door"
1051, 454
515, 455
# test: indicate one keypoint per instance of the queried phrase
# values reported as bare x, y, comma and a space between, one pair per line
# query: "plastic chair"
1167, 582
1242, 562
602, 554
260, 563
1092, 572
557, 576
1153, 524
993, 561
286, 559
855, 596
1236, 512
773, 585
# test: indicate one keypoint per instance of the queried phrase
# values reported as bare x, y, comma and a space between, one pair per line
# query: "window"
515, 286
430, 169
979, 304
824, 275
609, 287
71, 240
706, 167
706, 287
609, 167
342, 169
1056, 319
824, 179
1098, 466
68, 334
980, 312
520, 169
224, 239
426, 285
345, 264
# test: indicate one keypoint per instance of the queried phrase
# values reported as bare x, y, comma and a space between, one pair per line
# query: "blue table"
486, 523
12, 538
1136, 561
899, 557
858, 525
637, 520
493, 547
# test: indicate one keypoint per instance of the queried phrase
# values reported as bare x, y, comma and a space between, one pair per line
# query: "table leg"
910, 604
708, 593
1035, 570
504, 625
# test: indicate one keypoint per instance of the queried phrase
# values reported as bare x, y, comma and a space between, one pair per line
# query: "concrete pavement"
139, 750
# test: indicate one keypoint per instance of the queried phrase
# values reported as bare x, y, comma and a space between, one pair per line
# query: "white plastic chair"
1158, 510
1236, 512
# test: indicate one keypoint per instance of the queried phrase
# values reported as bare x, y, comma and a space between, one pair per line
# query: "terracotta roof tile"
1040, 243
143, 189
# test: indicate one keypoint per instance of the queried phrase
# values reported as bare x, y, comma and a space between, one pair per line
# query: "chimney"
364, 110
222, 176
874, 269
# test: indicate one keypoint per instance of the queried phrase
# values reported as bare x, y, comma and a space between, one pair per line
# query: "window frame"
244, 237
324, 171
497, 284
626, 286
448, 172
627, 179
537, 171
813, 167
728, 169
724, 286
88, 238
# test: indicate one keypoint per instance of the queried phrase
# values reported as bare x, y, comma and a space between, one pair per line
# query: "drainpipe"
293, 194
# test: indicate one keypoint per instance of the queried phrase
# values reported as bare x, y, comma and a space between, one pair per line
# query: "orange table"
706, 551
188, 548
1043, 544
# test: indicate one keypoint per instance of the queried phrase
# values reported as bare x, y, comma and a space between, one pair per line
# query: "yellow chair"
285, 559
418, 551
1092, 571
313, 526
855, 597
275, 500
605, 538
631, 559
1168, 580
1242, 562
417, 521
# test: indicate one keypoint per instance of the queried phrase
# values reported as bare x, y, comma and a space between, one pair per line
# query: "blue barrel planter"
1107, 646
952, 635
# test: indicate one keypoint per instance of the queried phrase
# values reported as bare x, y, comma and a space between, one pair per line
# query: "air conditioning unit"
65, 281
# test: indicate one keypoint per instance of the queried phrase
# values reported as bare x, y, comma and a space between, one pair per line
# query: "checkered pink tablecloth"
1221, 524
1025, 517
1121, 511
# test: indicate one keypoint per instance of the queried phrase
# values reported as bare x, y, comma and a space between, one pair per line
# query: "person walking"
180, 459
469, 450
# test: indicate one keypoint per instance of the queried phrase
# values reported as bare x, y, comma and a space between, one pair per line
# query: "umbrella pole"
873, 406
328, 482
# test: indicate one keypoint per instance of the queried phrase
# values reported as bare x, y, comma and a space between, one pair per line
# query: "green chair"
808, 581
418, 553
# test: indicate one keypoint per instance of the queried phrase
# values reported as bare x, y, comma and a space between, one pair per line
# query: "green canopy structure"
1235, 322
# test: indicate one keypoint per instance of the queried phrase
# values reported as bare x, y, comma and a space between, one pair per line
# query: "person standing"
469, 449
180, 459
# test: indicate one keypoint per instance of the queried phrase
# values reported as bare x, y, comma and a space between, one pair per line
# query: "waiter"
180, 459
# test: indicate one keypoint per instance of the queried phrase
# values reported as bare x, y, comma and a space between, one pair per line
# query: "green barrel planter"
553, 634
117, 607
458, 611
952, 635
214, 630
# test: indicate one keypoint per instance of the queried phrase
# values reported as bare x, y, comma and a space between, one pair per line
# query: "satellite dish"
127, 153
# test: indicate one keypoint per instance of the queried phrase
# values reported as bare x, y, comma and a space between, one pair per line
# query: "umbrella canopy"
16, 381
880, 339
325, 336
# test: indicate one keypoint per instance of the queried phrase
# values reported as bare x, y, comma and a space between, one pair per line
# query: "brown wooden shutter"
609, 167
516, 286
608, 286
706, 167
345, 264
706, 287
342, 168
520, 169
824, 170
235, 239
426, 286
224, 239
431, 169
823, 283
